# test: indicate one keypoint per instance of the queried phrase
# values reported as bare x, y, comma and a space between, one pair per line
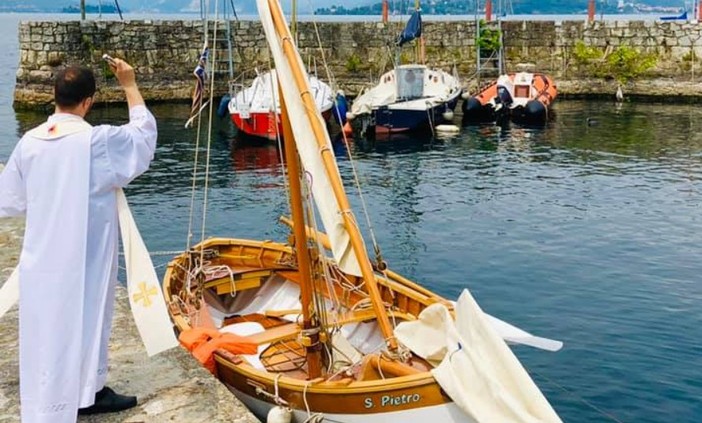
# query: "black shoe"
108, 401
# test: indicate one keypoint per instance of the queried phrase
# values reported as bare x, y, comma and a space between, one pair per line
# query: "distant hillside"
518, 7
156, 6
365, 7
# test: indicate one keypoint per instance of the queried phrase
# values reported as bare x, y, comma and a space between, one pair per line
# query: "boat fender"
465, 94
223, 108
447, 115
279, 414
341, 107
447, 129
350, 116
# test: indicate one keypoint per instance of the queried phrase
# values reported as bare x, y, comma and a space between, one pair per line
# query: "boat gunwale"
355, 387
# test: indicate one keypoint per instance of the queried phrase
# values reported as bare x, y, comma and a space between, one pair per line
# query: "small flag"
198, 92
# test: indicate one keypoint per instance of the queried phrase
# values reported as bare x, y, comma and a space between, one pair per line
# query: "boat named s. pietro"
313, 330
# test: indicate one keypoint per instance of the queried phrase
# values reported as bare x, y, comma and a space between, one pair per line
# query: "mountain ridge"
347, 6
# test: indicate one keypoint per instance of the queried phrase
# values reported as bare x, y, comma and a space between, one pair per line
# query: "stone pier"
165, 53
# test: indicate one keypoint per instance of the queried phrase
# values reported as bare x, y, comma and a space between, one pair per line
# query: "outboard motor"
505, 90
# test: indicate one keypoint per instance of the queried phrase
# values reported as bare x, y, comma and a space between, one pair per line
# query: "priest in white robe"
63, 175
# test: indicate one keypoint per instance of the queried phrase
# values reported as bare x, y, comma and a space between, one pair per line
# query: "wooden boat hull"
413, 396
444, 413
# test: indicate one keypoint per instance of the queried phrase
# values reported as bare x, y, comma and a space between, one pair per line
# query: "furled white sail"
474, 365
309, 150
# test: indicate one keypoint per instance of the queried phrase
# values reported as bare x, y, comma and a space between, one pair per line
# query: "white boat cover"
262, 95
309, 150
474, 365
438, 87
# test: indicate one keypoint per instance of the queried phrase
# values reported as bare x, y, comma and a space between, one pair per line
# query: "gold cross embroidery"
145, 294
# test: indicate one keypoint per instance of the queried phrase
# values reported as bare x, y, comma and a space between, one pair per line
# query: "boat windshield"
410, 83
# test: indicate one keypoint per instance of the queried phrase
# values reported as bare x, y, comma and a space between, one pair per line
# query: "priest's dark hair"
73, 84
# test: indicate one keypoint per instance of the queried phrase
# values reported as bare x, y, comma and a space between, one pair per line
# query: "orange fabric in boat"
203, 342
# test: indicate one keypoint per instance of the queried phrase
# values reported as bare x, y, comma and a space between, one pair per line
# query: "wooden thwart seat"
240, 279
292, 329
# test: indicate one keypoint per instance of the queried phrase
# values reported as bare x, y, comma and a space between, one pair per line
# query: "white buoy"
447, 115
350, 116
447, 129
279, 414
465, 95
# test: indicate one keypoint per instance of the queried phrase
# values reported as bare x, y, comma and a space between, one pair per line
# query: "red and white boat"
255, 110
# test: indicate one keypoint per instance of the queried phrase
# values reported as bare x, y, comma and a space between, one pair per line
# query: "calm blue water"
588, 234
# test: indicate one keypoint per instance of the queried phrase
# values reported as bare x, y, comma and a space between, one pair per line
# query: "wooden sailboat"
295, 332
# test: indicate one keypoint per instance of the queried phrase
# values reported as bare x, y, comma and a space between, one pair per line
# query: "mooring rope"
592, 406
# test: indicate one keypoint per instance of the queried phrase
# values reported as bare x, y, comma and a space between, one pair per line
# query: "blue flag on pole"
412, 30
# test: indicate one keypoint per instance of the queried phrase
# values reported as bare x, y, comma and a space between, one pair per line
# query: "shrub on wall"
624, 64
627, 63
488, 38
353, 63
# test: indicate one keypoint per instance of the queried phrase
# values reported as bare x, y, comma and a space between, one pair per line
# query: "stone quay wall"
165, 53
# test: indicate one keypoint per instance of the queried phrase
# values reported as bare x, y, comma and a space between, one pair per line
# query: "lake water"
587, 234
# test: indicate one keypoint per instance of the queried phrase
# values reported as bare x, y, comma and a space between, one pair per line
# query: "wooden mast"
310, 341
330, 166
419, 45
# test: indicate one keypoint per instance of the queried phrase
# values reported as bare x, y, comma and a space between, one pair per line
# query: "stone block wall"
166, 52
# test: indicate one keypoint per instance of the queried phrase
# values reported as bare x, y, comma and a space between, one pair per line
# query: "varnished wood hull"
415, 395
443, 413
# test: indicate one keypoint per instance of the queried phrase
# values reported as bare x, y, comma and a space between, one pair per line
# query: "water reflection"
253, 155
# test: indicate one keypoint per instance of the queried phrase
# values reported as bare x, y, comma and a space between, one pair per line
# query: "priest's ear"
87, 104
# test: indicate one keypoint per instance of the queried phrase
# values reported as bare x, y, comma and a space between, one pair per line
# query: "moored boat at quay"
523, 97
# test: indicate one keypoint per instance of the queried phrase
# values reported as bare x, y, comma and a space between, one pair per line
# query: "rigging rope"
209, 132
357, 181
278, 138
197, 145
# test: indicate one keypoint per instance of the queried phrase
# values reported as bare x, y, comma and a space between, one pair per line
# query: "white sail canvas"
310, 154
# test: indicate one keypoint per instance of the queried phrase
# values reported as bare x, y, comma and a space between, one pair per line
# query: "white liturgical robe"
64, 176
